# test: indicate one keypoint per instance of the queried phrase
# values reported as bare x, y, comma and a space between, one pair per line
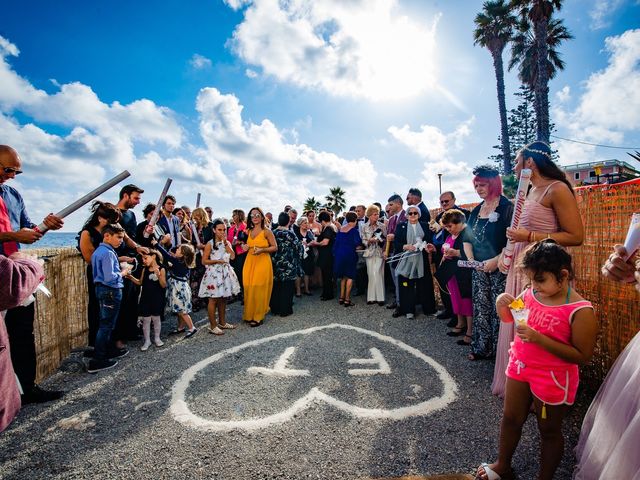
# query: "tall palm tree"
311, 204
539, 13
335, 199
494, 28
525, 55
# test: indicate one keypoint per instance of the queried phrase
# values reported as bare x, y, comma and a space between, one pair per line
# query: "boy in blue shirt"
107, 278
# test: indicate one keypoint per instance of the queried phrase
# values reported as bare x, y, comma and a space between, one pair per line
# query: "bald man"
15, 228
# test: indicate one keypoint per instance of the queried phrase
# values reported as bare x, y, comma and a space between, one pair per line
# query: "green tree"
538, 14
521, 126
335, 200
494, 28
509, 185
311, 204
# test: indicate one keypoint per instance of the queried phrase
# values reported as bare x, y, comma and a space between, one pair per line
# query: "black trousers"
446, 301
238, 264
127, 323
326, 269
417, 291
282, 297
19, 322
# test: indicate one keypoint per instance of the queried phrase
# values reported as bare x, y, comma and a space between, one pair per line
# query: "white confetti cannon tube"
81, 202
470, 264
632, 242
198, 200
521, 194
194, 231
156, 212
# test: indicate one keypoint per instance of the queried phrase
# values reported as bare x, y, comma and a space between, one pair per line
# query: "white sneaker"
158, 343
410, 316
145, 346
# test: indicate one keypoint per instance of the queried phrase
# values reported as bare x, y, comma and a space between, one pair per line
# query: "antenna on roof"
636, 156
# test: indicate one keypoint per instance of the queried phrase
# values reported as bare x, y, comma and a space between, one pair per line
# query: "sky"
266, 102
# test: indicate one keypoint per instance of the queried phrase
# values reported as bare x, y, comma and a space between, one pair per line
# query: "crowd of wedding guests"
179, 260
397, 256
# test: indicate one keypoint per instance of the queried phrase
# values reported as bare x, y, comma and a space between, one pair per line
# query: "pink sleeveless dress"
540, 219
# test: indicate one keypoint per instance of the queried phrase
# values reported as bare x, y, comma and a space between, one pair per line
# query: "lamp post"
440, 182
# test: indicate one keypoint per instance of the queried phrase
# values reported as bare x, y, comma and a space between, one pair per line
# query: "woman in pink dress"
550, 211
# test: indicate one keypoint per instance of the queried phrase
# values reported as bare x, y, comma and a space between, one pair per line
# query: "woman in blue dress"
346, 258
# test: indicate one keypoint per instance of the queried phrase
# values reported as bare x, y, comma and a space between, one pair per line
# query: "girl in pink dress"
558, 334
550, 211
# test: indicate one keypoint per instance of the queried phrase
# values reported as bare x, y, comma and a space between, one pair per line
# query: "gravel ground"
118, 424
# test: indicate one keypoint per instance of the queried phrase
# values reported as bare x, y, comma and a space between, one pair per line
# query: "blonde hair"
371, 209
201, 216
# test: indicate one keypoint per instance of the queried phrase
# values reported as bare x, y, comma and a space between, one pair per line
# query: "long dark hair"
250, 223
540, 152
104, 210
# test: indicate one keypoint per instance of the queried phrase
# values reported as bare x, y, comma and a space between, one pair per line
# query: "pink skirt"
460, 306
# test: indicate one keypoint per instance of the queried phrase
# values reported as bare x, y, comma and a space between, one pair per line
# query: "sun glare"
397, 55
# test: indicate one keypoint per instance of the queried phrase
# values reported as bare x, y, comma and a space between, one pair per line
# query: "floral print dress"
219, 281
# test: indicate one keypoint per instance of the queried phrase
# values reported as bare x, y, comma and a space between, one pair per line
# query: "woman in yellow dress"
257, 274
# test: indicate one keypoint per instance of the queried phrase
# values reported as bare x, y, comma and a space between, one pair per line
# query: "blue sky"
260, 102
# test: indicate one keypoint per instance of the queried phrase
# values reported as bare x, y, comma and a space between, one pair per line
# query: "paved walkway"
327, 393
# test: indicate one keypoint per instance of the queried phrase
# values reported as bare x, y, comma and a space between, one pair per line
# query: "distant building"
606, 171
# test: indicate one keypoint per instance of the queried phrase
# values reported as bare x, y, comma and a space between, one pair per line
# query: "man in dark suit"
397, 216
414, 197
447, 202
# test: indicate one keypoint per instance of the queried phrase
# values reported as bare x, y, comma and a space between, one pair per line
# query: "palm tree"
539, 13
494, 28
335, 199
311, 204
524, 52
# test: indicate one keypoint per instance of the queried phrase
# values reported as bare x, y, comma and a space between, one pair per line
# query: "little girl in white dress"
219, 281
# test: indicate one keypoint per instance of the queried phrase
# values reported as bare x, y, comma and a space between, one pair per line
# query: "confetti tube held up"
198, 200
81, 202
521, 194
632, 242
156, 212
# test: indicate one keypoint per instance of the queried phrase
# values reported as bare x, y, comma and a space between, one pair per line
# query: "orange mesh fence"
606, 212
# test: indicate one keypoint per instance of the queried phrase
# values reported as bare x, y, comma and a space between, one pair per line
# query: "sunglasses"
412, 213
255, 215
444, 201
9, 170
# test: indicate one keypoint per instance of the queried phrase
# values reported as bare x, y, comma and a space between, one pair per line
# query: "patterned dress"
219, 281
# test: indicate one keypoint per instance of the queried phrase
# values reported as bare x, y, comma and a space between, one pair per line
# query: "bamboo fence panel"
61, 321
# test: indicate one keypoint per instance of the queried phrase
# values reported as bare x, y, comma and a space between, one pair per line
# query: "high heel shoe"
457, 332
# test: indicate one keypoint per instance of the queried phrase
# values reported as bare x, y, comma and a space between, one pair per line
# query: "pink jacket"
18, 279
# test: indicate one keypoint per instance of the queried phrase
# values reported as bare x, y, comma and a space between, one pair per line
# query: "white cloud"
564, 95
199, 62
438, 148
267, 169
250, 73
610, 104
601, 12
361, 48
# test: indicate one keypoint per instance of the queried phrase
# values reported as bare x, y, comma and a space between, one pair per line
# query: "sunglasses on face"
444, 201
255, 215
412, 213
9, 170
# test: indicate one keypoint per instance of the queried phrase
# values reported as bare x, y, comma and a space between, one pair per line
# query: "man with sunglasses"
447, 202
414, 197
16, 227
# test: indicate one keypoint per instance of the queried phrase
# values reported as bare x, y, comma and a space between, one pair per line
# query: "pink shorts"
555, 386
